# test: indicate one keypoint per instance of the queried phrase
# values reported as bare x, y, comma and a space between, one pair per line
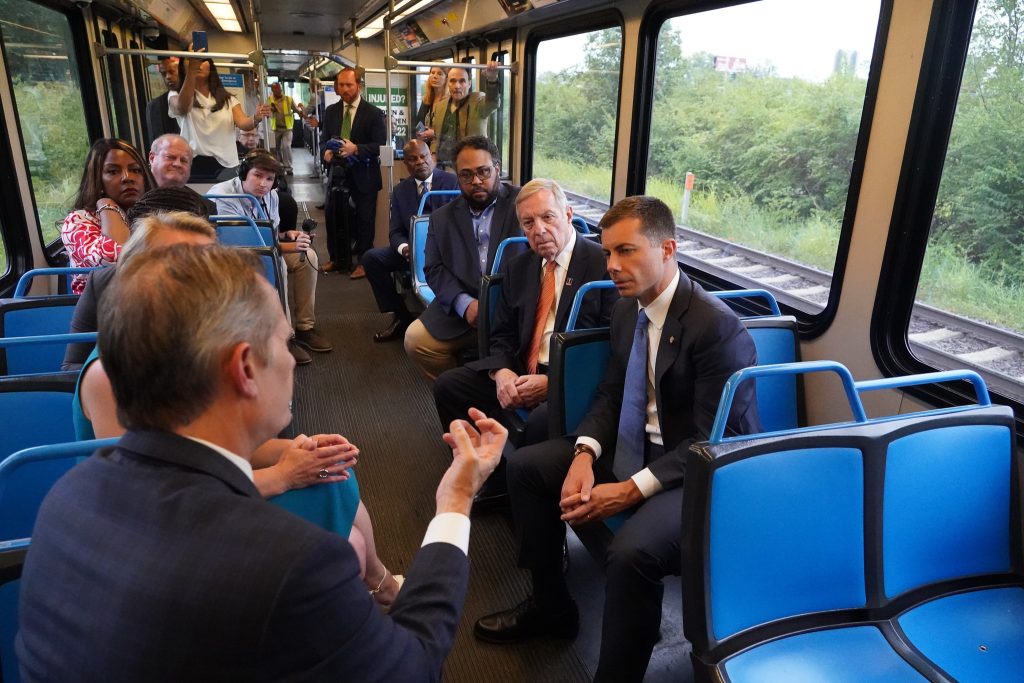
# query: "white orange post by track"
686, 198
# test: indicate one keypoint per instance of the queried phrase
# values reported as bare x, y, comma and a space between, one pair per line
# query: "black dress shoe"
528, 620
396, 330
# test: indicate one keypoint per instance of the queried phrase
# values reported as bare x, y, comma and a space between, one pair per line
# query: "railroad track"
937, 337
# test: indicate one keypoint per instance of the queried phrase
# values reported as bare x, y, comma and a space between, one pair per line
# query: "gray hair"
540, 184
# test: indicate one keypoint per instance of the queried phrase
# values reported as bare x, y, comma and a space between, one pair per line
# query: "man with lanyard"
281, 123
257, 176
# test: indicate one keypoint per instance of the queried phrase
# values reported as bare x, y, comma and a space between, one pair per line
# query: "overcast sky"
799, 37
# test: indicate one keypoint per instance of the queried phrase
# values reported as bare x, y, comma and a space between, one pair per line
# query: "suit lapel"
574, 277
465, 236
672, 332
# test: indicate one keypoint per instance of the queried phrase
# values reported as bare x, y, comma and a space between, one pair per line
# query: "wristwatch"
584, 448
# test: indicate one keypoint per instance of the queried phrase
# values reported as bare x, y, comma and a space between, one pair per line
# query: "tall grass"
949, 280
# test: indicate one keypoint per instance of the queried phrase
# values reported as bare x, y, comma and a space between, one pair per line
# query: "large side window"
756, 116
43, 70
575, 107
969, 309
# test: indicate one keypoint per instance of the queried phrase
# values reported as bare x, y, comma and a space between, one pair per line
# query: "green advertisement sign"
399, 107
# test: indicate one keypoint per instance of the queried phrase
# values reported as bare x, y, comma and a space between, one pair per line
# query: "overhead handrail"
577, 302
740, 376
243, 195
103, 51
499, 253
392, 63
25, 281
434, 193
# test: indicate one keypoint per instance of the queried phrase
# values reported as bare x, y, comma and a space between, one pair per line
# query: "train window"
969, 308
48, 97
575, 112
117, 100
762, 103
501, 122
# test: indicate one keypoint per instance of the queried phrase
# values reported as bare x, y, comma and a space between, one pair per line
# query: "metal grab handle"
21, 289
577, 302
980, 388
499, 253
44, 339
243, 195
750, 294
740, 376
434, 193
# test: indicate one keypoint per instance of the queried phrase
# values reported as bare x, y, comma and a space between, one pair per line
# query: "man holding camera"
354, 131
257, 175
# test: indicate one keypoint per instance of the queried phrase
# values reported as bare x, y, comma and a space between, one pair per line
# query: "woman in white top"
208, 116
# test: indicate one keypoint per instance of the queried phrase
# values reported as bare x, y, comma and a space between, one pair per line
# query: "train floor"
374, 395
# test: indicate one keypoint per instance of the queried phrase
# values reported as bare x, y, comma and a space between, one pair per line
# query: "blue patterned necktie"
629, 447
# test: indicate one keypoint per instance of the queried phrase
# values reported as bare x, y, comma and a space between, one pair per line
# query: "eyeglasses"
483, 173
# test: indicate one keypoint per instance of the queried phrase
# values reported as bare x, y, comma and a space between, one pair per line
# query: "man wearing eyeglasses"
462, 238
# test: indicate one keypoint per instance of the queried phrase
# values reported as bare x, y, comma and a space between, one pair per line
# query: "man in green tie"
354, 131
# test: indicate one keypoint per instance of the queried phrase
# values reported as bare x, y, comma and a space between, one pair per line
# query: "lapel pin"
568, 282
671, 340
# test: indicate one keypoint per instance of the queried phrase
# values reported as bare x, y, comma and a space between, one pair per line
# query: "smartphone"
199, 41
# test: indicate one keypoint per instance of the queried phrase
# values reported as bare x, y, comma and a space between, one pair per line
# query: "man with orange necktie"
537, 291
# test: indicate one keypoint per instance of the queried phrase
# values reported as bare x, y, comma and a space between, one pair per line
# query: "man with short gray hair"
171, 566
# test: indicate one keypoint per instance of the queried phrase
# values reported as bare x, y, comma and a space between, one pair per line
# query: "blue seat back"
778, 397
490, 295
36, 316
28, 475
246, 234
946, 503
418, 238
504, 246
12, 559
25, 281
581, 225
578, 361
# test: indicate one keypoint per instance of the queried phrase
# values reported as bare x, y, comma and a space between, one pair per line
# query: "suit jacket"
514, 319
369, 132
157, 560
702, 343
472, 116
405, 202
452, 262
158, 120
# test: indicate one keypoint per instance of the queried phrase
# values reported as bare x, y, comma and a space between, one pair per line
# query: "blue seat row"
882, 549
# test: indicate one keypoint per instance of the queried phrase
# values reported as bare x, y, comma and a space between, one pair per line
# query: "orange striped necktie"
544, 303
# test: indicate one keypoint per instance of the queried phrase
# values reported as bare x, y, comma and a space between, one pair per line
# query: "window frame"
17, 230
938, 93
810, 325
605, 19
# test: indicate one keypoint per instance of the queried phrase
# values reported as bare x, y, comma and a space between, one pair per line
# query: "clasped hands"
582, 502
520, 391
343, 148
306, 458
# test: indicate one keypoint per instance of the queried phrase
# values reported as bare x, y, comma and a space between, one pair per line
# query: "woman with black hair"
114, 178
208, 116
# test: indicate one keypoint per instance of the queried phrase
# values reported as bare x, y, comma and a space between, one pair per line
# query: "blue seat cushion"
975, 636
856, 654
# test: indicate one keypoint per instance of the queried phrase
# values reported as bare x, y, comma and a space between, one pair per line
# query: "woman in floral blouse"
115, 176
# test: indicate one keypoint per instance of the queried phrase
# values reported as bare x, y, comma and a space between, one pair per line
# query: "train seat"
25, 281
579, 359
417, 254
878, 549
28, 475
242, 231
12, 560
34, 317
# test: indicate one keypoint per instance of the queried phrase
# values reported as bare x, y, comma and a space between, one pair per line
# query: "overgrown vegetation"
773, 156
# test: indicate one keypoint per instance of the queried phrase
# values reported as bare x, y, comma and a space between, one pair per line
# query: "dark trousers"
459, 389
644, 550
363, 220
379, 264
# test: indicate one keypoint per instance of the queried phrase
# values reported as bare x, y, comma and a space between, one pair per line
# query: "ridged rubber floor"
375, 396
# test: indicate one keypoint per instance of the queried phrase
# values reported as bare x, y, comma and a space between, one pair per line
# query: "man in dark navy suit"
157, 559
381, 262
673, 346
462, 238
353, 133
537, 291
